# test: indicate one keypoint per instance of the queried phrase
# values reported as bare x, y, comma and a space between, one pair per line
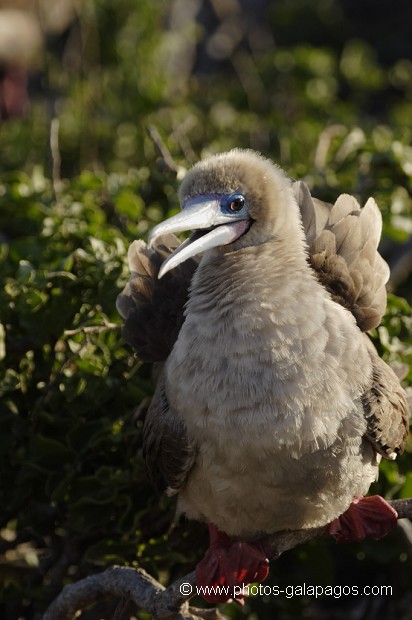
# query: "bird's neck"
264, 278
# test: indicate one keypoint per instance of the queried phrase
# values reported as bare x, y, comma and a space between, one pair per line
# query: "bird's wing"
386, 409
168, 451
342, 241
152, 309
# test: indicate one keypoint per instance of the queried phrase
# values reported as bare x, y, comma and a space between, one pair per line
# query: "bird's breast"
268, 350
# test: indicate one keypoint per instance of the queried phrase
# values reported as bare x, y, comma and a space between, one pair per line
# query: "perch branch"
168, 603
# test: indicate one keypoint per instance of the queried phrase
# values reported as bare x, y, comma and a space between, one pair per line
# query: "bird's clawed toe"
366, 516
230, 566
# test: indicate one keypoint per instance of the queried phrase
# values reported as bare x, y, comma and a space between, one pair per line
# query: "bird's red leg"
366, 516
229, 566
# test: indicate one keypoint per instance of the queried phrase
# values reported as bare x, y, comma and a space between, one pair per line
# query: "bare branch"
324, 142
168, 603
114, 582
283, 541
56, 158
403, 507
180, 135
164, 152
135, 584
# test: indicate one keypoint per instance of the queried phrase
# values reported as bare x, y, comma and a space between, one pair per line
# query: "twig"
56, 158
164, 152
180, 135
324, 142
89, 329
92, 329
168, 603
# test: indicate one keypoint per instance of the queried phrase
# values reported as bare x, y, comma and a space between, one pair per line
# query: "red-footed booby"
272, 409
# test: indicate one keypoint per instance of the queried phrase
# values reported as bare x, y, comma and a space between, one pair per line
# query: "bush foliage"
74, 494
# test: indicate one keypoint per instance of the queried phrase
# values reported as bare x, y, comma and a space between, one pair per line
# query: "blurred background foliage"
130, 94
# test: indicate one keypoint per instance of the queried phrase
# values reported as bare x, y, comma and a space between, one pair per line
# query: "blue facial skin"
230, 204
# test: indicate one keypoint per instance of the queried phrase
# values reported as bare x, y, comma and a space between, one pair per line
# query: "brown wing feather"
151, 308
386, 409
153, 313
167, 449
342, 241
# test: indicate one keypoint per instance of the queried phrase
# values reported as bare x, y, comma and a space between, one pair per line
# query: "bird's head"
234, 199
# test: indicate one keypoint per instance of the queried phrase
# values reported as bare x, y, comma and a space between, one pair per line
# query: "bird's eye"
236, 204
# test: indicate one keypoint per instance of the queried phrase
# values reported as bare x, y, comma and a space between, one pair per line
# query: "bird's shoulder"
152, 308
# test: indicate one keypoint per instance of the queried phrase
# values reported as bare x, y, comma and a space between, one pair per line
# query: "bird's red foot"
366, 516
229, 566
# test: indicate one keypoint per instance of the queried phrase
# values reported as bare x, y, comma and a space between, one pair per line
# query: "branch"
138, 587
56, 158
179, 134
324, 142
168, 603
162, 149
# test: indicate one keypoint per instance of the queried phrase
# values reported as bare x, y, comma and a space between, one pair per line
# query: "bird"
272, 408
